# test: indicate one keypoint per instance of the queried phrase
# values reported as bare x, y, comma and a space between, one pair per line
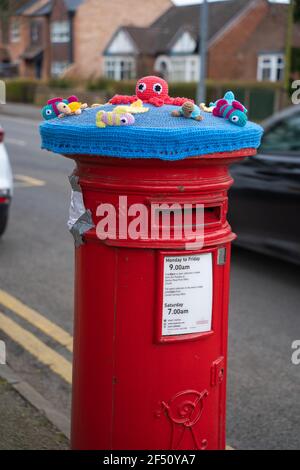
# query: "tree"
10, 6
7, 9
289, 44
297, 11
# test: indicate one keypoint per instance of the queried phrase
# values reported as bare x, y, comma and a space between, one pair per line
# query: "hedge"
21, 90
262, 99
62, 83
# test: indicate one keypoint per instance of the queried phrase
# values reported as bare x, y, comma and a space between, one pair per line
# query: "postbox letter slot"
177, 216
212, 215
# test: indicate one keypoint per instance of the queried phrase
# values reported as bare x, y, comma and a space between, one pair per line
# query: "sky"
192, 2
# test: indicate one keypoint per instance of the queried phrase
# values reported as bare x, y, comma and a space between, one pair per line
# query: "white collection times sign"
187, 294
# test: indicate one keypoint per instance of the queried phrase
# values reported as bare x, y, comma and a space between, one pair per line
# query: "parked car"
8, 70
265, 199
6, 184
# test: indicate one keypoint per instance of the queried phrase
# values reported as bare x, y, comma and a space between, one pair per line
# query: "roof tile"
159, 37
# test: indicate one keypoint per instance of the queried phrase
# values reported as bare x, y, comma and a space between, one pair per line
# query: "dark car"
8, 70
265, 198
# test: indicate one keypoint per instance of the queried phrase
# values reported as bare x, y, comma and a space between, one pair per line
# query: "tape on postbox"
187, 291
80, 219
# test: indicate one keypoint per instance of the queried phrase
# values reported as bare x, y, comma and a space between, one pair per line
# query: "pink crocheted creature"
152, 90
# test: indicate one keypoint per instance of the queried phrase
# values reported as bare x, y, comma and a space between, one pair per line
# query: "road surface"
36, 304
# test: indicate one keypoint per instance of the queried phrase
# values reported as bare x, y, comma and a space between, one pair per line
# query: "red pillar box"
151, 312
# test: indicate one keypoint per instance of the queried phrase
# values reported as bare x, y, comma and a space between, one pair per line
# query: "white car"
6, 184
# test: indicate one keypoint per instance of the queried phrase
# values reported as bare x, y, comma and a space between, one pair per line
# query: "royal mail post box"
151, 314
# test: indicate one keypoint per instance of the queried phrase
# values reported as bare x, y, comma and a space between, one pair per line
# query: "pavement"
20, 110
23, 427
36, 304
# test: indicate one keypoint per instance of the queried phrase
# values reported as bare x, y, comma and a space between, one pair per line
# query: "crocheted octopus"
152, 90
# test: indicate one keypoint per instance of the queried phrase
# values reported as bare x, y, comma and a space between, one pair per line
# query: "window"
34, 31
110, 69
179, 68
270, 67
283, 138
15, 31
186, 44
119, 68
162, 66
58, 68
193, 66
60, 31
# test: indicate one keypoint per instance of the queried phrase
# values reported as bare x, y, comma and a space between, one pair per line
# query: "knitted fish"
51, 111
229, 97
235, 112
112, 118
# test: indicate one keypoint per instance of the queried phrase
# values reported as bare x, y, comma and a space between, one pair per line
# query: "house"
246, 40
39, 37
49, 37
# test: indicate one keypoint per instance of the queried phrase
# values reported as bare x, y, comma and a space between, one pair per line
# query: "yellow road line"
36, 319
37, 348
23, 181
10, 140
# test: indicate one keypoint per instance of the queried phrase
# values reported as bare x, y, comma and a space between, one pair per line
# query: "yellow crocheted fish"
67, 109
75, 106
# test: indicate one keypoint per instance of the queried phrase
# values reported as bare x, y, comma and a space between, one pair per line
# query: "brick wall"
230, 56
145, 65
270, 35
59, 52
97, 20
47, 50
17, 48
